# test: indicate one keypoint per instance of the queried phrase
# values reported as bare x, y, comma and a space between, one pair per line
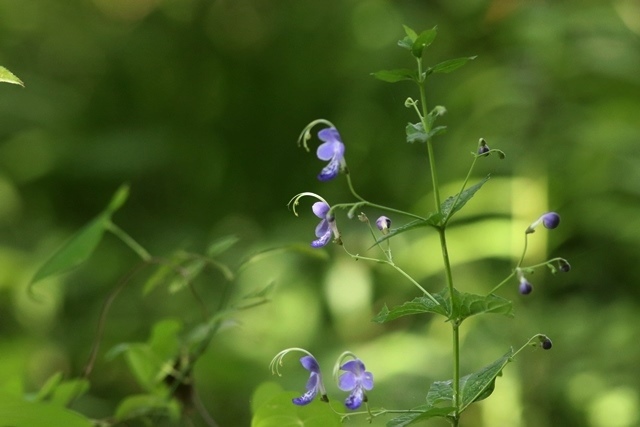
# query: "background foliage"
197, 104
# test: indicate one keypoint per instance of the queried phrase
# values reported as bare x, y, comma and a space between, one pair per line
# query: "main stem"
443, 245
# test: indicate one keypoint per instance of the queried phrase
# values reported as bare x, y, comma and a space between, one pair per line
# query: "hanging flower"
549, 220
327, 226
331, 150
314, 385
356, 380
383, 223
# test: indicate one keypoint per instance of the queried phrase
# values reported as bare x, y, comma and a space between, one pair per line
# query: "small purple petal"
356, 366
525, 287
383, 223
330, 135
305, 398
320, 209
322, 228
367, 381
310, 363
347, 381
326, 150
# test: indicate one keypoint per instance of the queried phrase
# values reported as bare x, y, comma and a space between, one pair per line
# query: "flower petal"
305, 398
310, 364
355, 399
322, 241
356, 366
322, 228
330, 171
326, 151
367, 381
347, 381
320, 209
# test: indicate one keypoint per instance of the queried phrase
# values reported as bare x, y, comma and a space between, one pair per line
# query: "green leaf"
15, 412
480, 385
8, 77
147, 404
393, 76
81, 245
279, 411
418, 305
164, 340
449, 65
421, 413
74, 251
454, 203
467, 305
222, 245
69, 391
49, 386
263, 393
423, 41
407, 42
410, 33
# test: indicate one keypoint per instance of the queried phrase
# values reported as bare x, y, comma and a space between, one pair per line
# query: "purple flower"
525, 287
326, 227
383, 223
356, 380
332, 150
550, 220
314, 384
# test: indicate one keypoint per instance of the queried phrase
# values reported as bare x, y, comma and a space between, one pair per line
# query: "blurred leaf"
16, 412
188, 273
279, 411
419, 305
420, 413
69, 391
415, 133
147, 404
423, 41
449, 65
407, 42
221, 245
81, 245
161, 275
263, 393
8, 77
164, 340
393, 76
49, 386
410, 33
454, 203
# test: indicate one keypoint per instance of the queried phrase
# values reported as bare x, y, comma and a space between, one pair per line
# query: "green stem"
128, 240
524, 251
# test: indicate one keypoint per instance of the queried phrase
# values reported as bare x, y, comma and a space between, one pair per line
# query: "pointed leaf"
450, 65
454, 203
81, 245
393, 76
8, 77
49, 386
74, 251
410, 33
479, 385
418, 305
423, 41
69, 391
222, 245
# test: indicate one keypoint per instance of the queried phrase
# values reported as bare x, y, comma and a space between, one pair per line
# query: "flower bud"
525, 287
483, 148
564, 266
546, 343
550, 220
383, 223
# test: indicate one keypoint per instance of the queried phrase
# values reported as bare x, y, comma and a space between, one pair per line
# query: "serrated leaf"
393, 76
423, 41
449, 65
419, 305
454, 203
15, 412
468, 305
147, 404
8, 77
81, 245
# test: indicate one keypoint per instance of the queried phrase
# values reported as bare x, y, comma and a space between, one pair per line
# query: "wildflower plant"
448, 398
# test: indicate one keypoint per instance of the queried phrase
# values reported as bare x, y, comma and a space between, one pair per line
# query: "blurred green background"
197, 104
